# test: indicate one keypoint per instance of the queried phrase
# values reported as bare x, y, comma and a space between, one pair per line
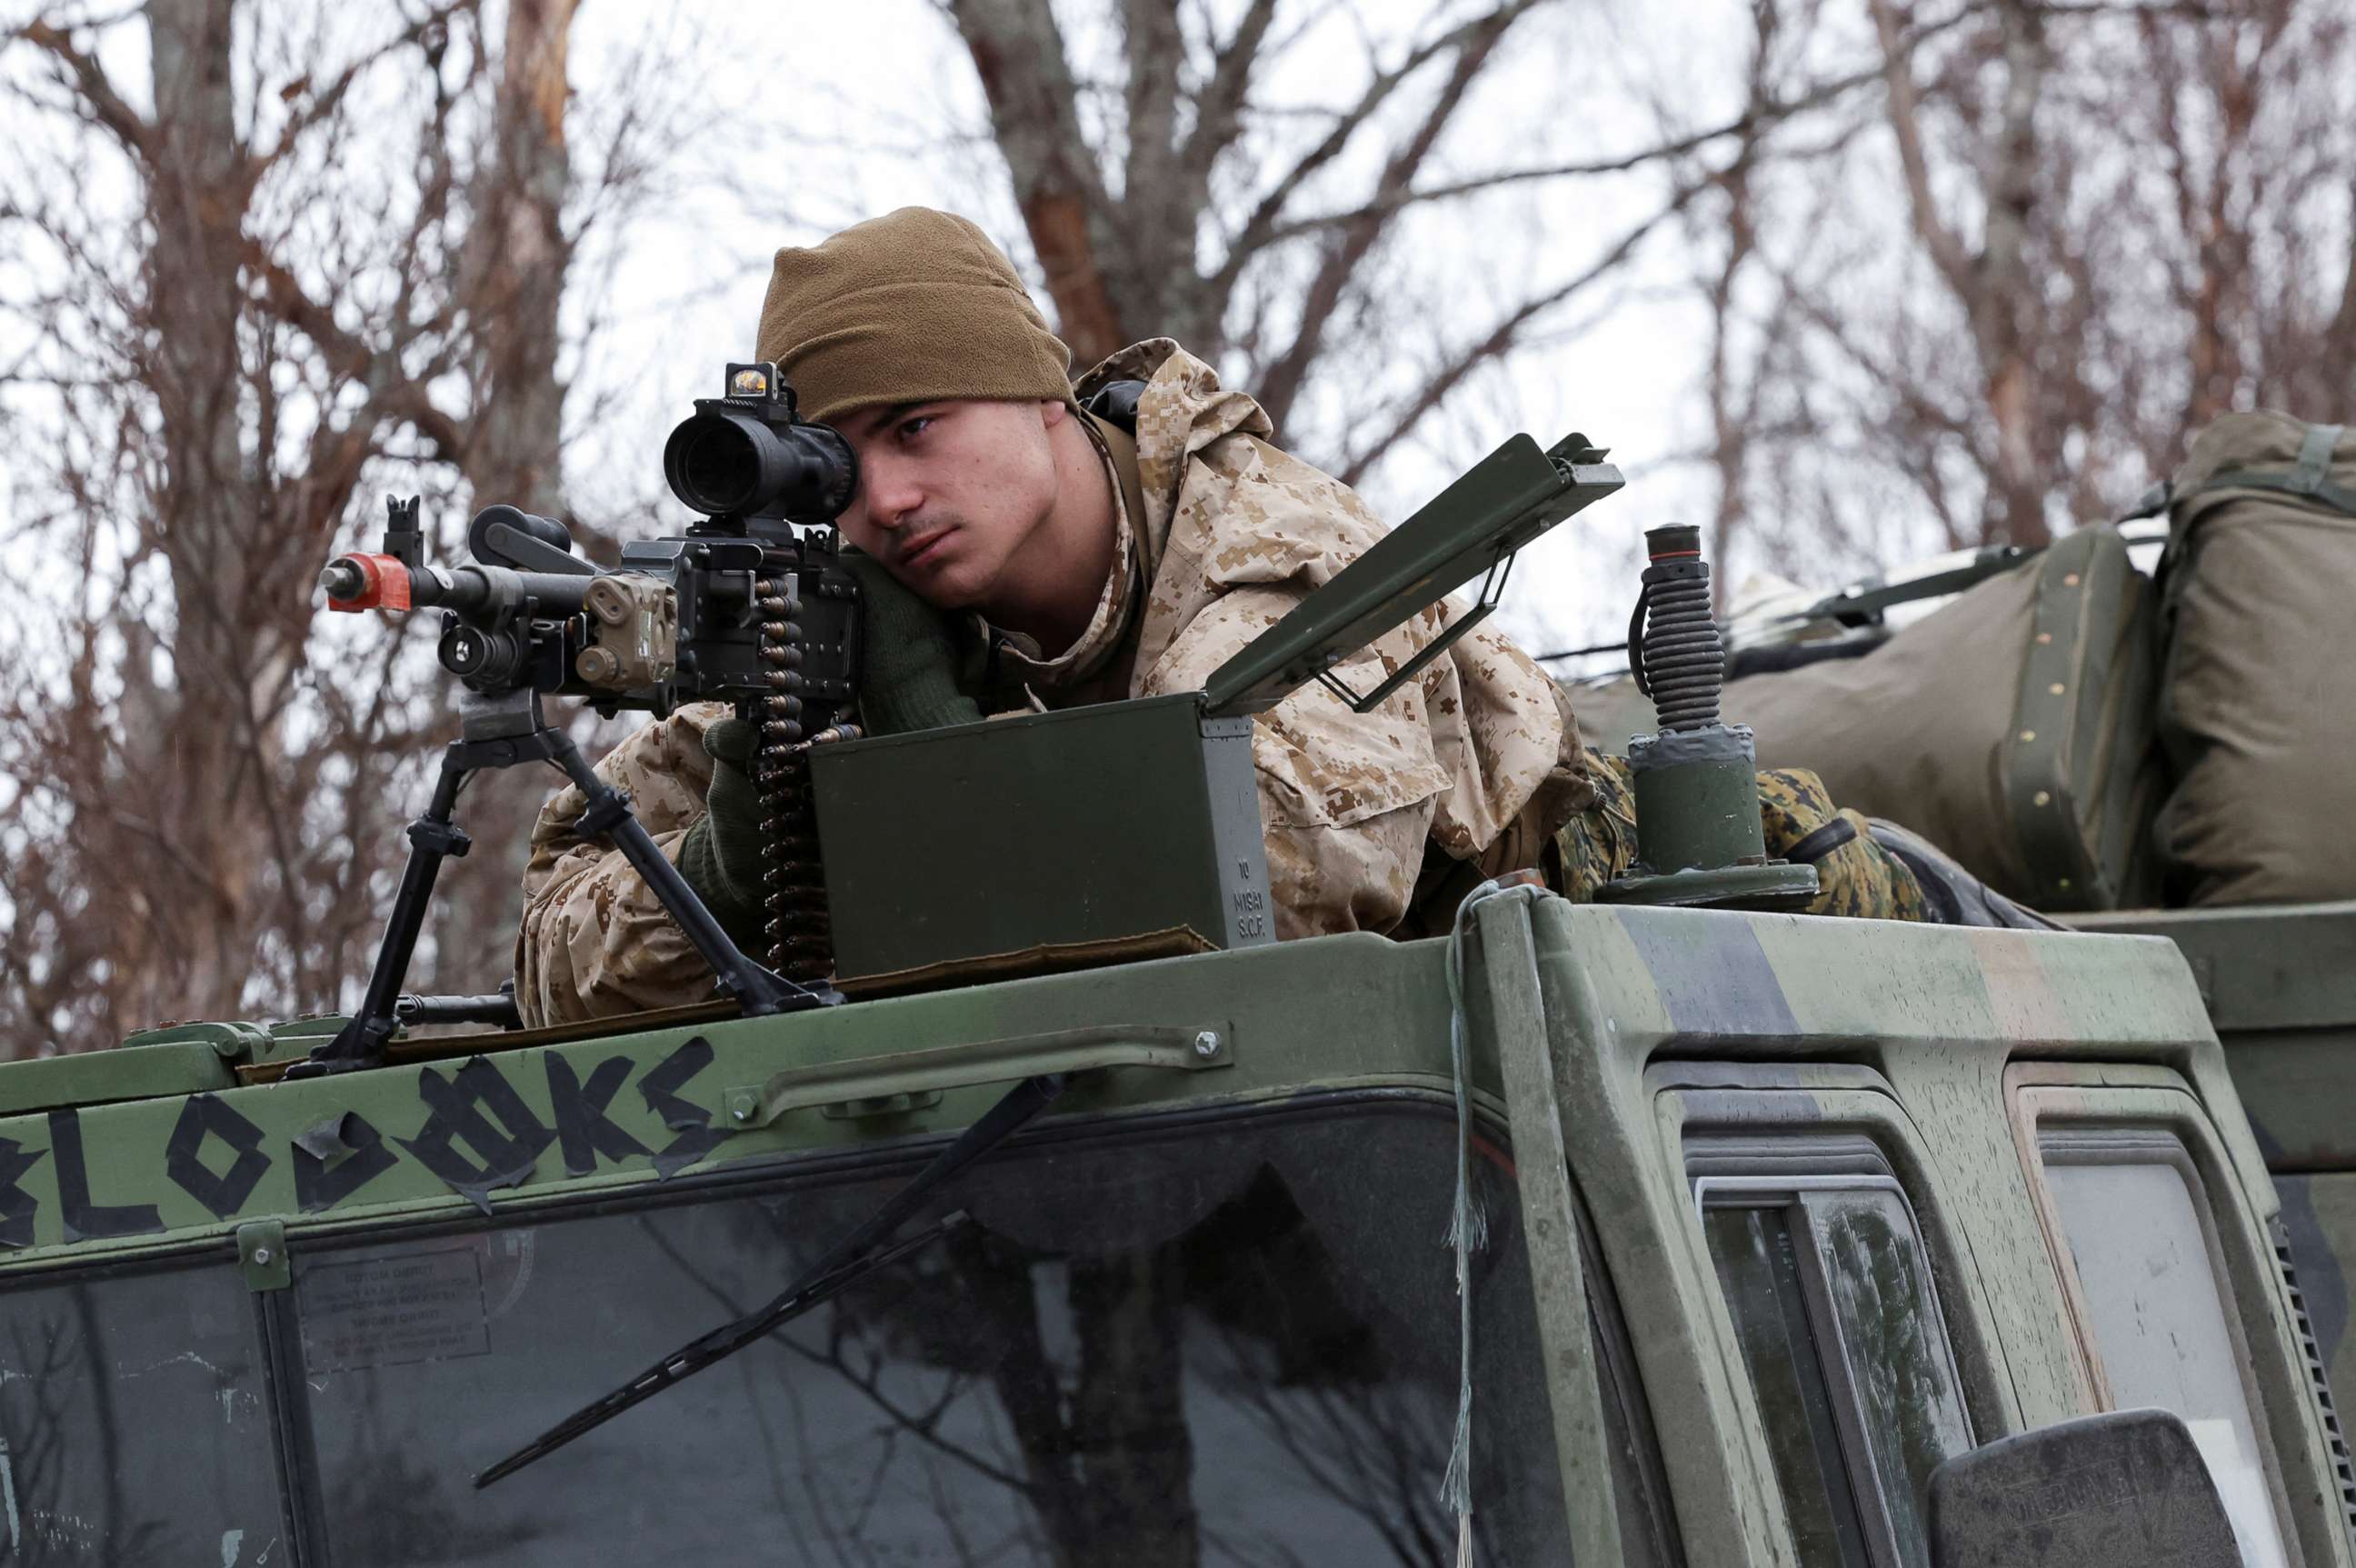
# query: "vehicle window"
1237, 1345
1757, 1268
2156, 1310
134, 1425
1831, 1298
1894, 1347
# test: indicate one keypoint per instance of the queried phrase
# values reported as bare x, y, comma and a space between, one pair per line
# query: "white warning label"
418, 1306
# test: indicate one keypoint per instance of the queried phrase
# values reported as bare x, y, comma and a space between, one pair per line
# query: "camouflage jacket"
1477, 761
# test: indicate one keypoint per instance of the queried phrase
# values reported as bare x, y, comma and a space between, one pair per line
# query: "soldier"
1055, 559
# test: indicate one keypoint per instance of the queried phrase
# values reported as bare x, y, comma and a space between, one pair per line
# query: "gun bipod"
503, 730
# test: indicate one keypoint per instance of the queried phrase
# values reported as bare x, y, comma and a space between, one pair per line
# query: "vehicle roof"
182, 1139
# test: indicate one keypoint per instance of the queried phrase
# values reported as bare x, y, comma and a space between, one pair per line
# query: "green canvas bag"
2011, 727
2257, 700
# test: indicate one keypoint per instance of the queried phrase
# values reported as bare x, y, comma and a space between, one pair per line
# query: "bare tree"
313, 255
2051, 242
161, 841
1267, 236
1726, 228
1969, 272
512, 264
1990, 281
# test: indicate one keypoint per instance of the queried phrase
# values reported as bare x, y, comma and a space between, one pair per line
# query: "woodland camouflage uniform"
1476, 768
1858, 878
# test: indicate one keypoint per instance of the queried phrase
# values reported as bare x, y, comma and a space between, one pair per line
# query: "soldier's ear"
1054, 412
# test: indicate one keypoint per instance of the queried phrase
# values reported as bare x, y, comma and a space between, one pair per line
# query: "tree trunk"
1018, 51
2006, 301
517, 255
515, 279
195, 746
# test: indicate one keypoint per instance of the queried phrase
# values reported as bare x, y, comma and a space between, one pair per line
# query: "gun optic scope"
726, 462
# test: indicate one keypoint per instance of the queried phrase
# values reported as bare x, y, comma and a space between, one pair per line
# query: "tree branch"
1502, 336
317, 107
1282, 383
1218, 108
87, 77
395, 395
1905, 114
1752, 123
1252, 237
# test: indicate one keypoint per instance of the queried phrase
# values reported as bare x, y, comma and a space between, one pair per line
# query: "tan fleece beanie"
907, 307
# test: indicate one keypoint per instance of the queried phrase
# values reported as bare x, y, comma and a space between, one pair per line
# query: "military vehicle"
1618, 1232
2277, 979
1783, 1213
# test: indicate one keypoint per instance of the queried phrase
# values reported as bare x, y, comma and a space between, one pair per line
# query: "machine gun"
751, 605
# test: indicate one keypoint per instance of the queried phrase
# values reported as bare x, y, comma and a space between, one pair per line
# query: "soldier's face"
953, 495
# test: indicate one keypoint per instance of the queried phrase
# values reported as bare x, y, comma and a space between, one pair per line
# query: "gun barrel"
363, 582
374, 582
343, 579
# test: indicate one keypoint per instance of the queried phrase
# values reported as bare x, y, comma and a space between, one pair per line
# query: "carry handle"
1470, 529
1164, 1046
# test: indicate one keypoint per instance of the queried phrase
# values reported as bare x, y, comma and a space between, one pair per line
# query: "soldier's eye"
912, 428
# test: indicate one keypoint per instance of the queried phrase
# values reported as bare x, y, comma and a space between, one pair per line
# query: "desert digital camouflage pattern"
395, 1273
1479, 756
595, 937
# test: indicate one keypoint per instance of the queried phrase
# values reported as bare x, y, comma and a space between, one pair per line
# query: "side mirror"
2128, 1486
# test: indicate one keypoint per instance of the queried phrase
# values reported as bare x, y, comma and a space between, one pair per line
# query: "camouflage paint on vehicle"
1629, 1030
1909, 1032
2279, 983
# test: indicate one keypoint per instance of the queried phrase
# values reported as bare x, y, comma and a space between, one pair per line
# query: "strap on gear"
2309, 477
1819, 842
1115, 402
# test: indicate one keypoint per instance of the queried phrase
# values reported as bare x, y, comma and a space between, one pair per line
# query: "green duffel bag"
2011, 727
2257, 698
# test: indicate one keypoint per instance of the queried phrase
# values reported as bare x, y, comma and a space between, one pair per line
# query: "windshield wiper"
857, 1255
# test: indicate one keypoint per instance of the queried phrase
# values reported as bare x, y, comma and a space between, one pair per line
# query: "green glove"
908, 681
721, 856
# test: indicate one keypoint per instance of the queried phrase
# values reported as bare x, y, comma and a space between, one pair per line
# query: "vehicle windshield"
134, 1421
1194, 1340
